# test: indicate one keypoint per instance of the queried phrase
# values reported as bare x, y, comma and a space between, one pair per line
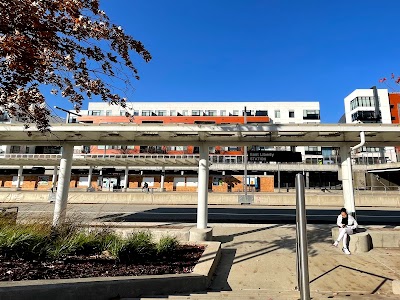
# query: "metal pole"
302, 237
279, 177
245, 161
297, 248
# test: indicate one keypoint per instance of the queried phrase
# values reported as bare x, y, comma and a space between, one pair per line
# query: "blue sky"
261, 50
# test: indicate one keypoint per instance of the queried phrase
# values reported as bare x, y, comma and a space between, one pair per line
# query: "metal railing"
101, 156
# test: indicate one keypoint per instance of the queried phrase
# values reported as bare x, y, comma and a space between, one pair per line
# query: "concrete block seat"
385, 237
359, 242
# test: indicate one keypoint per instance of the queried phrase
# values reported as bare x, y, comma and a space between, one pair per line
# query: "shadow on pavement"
385, 279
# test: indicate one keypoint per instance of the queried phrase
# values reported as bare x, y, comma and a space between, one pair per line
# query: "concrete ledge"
358, 243
181, 233
182, 198
385, 238
209, 261
105, 288
396, 287
200, 235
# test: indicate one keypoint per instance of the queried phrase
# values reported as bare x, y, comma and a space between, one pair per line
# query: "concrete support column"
54, 179
90, 176
307, 180
126, 178
202, 205
162, 189
60, 209
19, 177
347, 179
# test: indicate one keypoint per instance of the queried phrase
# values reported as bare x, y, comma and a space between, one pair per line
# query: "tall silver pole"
245, 160
302, 237
297, 248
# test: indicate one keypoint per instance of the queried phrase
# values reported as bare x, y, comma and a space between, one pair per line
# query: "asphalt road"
217, 214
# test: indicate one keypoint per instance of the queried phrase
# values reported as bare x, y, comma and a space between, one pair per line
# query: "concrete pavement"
264, 258
258, 262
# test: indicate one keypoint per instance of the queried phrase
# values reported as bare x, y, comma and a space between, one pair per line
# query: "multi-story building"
360, 106
200, 113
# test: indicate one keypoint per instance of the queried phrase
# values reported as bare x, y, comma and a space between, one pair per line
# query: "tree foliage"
69, 45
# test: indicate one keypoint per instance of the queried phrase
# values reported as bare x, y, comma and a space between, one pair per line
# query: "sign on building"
277, 156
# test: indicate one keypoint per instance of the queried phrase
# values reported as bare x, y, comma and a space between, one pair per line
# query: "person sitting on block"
347, 226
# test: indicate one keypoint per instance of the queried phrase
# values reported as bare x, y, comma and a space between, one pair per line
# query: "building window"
177, 148
146, 113
15, 149
291, 113
310, 114
222, 112
161, 113
233, 148
247, 113
261, 112
277, 113
95, 113
195, 112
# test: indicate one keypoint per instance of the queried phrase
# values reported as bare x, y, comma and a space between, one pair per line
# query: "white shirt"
351, 222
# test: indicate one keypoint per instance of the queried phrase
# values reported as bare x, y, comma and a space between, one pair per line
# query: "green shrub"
167, 245
139, 246
112, 243
22, 242
76, 243
42, 242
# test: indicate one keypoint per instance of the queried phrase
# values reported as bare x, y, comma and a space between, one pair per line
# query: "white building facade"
279, 112
360, 107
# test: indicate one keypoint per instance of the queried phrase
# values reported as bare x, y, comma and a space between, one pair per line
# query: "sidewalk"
262, 258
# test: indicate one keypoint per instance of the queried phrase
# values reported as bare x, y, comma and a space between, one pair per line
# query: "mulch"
182, 261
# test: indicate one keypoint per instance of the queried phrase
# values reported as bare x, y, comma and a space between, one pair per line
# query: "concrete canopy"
229, 135
115, 160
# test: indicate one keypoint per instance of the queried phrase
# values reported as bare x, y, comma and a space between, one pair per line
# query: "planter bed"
181, 261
